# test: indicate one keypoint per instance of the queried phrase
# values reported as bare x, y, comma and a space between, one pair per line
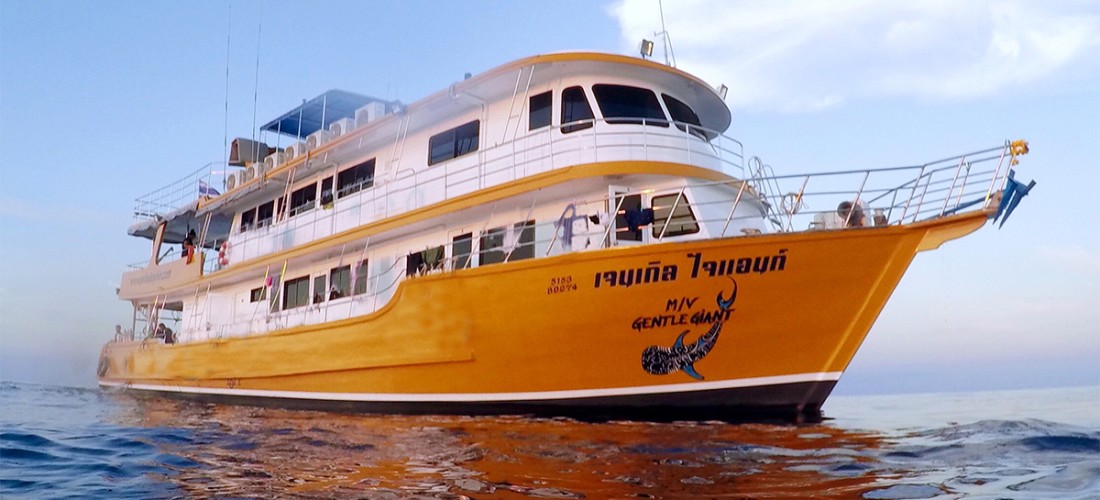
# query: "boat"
566, 234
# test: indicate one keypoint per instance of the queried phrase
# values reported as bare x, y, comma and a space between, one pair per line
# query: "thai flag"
205, 189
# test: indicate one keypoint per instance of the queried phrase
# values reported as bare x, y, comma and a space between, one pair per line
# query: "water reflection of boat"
239, 451
564, 234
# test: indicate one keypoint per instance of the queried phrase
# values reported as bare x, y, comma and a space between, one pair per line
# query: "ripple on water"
119, 447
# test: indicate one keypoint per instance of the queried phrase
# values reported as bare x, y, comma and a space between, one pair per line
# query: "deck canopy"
319, 112
182, 220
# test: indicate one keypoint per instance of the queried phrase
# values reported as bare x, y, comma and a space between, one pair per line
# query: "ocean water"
58, 442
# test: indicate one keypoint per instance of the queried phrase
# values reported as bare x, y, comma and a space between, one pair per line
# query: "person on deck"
189, 246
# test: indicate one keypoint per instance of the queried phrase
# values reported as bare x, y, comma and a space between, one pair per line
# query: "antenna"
225, 125
664, 36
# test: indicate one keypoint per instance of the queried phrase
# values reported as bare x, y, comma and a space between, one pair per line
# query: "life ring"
223, 254
792, 203
104, 364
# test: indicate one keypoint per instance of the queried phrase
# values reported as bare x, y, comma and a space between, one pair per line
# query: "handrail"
913, 192
602, 136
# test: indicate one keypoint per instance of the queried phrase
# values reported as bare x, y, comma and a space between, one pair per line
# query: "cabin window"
461, 247
682, 220
359, 286
453, 143
624, 104
296, 293
424, 261
303, 200
326, 192
630, 207
248, 219
265, 213
257, 294
319, 289
492, 246
525, 242
575, 108
356, 178
685, 117
541, 109
340, 279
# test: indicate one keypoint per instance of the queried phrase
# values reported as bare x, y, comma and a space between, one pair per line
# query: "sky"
103, 102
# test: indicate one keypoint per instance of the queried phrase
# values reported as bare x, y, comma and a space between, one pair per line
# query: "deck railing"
790, 203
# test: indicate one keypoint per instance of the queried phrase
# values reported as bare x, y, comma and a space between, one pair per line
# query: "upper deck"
520, 119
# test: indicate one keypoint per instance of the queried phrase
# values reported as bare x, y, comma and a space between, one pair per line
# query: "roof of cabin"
318, 113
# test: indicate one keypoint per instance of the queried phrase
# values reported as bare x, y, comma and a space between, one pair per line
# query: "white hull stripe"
489, 396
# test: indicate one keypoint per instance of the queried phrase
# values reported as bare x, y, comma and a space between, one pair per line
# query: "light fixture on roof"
722, 90
646, 48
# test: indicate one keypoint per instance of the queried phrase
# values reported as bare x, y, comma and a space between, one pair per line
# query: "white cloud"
802, 56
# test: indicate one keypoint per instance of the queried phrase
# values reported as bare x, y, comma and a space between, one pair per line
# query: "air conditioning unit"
341, 127
231, 182
318, 139
248, 174
295, 150
369, 113
274, 160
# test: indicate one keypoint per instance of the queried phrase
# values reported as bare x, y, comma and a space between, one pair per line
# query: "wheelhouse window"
356, 178
685, 117
424, 261
453, 143
575, 108
492, 246
541, 109
303, 200
257, 294
461, 248
296, 293
340, 279
525, 241
682, 220
248, 219
625, 104
359, 285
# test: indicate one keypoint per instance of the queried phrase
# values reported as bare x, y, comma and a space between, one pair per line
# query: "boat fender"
223, 254
104, 364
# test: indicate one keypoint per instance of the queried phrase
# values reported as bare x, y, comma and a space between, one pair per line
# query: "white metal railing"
179, 193
903, 194
510, 160
407, 189
888, 195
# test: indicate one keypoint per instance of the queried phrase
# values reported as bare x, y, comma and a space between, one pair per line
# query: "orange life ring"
223, 258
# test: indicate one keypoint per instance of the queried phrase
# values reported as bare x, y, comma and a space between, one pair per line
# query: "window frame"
491, 246
359, 279
618, 111
352, 179
454, 143
694, 125
574, 111
462, 242
300, 296
524, 233
303, 199
340, 280
659, 220
546, 108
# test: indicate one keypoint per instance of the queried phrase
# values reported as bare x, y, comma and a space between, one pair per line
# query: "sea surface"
59, 442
